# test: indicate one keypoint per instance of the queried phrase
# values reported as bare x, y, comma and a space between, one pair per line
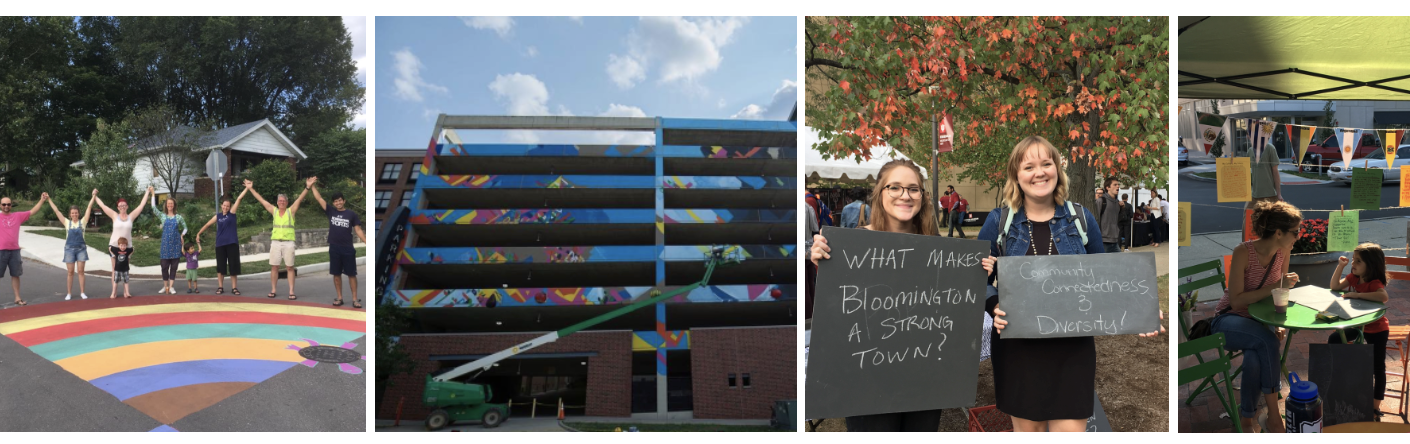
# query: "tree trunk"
1083, 177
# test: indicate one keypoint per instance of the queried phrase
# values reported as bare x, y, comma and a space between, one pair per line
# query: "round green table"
1299, 317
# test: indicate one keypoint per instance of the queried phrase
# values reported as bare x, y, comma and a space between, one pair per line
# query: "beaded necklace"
1033, 246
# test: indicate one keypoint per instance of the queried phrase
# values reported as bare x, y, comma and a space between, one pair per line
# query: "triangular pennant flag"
1260, 132
1210, 125
1388, 139
1300, 137
1347, 139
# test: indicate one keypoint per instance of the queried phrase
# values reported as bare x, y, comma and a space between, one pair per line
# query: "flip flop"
21, 303
293, 297
357, 303
338, 303
271, 295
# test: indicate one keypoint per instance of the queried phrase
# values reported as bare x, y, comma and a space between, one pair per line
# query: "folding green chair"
1208, 370
1217, 279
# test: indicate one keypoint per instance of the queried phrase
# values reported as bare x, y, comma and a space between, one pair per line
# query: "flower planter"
1315, 259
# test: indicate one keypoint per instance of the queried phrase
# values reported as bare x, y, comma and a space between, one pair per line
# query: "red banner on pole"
945, 136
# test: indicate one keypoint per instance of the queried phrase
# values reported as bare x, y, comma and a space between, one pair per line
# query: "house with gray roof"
245, 145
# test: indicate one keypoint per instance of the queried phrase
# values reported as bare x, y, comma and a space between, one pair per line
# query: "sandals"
235, 291
219, 290
357, 303
21, 303
271, 295
338, 303
293, 297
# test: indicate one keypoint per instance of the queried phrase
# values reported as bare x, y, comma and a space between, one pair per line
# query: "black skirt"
1043, 379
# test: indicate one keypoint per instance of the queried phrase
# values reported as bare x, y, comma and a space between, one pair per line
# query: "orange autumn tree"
1094, 86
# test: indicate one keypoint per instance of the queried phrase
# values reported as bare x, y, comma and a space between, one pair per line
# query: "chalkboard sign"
1097, 422
1344, 381
1078, 295
898, 320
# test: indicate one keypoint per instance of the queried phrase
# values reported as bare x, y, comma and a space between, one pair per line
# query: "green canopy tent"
1314, 58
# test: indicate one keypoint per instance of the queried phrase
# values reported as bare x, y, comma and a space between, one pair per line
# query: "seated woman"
1257, 267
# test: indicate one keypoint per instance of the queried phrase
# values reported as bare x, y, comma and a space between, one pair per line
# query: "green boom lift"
462, 401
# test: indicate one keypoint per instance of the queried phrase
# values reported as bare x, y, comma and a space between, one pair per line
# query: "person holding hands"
122, 226
75, 249
227, 242
10, 222
281, 239
343, 223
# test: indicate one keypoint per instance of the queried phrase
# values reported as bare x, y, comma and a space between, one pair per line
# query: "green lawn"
609, 427
148, 251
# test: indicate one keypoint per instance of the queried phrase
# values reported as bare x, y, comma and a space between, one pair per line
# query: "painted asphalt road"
39, 395
1212, 216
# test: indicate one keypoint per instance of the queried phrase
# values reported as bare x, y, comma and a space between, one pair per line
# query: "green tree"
392, 359
337, 155
34, 68
1094, 86
107, 166
296, 71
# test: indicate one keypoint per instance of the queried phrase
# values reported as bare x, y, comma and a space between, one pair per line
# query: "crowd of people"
1044, 384
177, 246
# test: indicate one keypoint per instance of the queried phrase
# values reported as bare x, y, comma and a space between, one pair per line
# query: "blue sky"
715, 67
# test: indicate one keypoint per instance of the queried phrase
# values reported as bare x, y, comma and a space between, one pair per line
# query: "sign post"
215, 169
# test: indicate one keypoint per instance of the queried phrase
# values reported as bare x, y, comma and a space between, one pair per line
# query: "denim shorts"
72, 255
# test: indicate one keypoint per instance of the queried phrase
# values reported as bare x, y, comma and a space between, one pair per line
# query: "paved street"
48, 386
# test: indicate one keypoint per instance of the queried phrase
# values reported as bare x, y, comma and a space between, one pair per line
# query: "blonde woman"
1044, 384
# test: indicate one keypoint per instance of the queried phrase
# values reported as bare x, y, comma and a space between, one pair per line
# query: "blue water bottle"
1303, 410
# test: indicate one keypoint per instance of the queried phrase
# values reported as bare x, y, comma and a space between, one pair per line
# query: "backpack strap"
1081, 222
1005, 214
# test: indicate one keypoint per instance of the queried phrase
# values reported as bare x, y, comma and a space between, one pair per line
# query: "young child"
122, 255
1367, 281
192, 253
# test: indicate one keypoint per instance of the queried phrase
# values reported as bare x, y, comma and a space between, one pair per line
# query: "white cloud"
430, 113
625, 71
531, 51
357, 32
679, 49
750, 112
500, 25
523, 94
359, 119
779, 106
623, 137
721, 103
409, 84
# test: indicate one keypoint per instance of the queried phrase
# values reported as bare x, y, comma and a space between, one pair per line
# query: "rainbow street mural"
171, 356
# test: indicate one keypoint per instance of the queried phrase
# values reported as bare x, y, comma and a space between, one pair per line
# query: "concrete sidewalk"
50, 250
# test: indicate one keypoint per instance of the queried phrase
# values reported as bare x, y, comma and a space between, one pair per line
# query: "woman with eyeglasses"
1044, 384
122, 226
898, 205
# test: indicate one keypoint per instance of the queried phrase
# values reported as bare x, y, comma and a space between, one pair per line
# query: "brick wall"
609, 390
767, 354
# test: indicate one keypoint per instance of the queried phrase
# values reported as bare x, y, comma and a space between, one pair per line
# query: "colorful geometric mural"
653, 341
599, 216
535, 181
170, 356
729, 182
502, 150
611, 253
550, 297
535, 216
725, 216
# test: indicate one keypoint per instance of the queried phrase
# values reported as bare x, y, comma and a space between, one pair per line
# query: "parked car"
1184, 153
1331, 152
1377, 159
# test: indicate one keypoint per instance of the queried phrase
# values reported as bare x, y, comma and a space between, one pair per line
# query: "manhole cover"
329, 354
